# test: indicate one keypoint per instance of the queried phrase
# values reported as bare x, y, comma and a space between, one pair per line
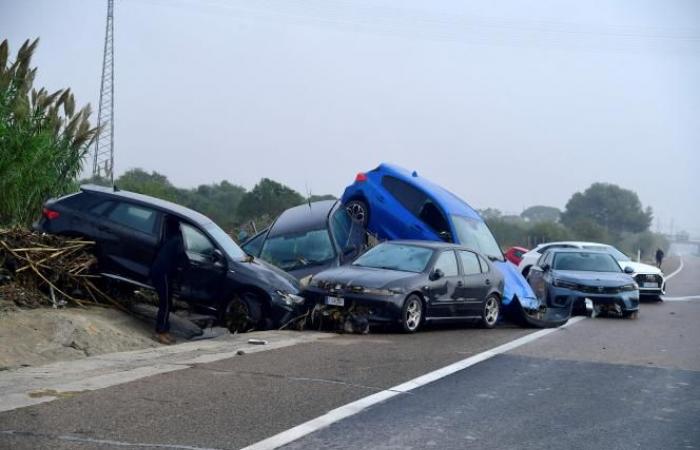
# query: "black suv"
128, 229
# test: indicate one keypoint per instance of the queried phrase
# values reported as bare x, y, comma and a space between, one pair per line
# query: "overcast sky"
508, 104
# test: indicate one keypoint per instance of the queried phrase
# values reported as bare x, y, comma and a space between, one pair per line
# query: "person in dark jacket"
659, 257
170, 257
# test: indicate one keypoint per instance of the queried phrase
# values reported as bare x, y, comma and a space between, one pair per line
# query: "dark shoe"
165, 338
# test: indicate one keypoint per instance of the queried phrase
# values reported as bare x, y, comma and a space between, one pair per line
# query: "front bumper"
380, 309
644, 280
560, 297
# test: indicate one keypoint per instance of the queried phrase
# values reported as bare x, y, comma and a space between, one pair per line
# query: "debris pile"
40, 269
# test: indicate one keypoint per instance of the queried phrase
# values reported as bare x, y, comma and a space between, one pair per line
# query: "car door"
409, 200
348, 235
476, 283
202, 280
444, 293
536, 277
129, 236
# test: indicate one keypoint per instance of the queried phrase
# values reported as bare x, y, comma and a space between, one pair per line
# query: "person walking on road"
659, 257
170, 257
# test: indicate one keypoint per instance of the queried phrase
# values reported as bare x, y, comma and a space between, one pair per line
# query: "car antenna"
308, 194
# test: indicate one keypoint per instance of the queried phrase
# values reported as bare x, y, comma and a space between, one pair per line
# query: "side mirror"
445, 236
545, 268
217, 257
629, 270
436, 274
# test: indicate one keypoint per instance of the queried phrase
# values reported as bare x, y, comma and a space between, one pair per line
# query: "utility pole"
103, 158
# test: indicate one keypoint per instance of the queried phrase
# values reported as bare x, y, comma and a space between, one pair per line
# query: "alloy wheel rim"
413, 314
491, 311
357, 212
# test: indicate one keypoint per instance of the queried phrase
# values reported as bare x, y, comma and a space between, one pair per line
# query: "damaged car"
394, 203
413, 282
309, 238
219, 278
589, 280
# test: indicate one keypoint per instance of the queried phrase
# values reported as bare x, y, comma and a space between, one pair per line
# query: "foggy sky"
508, 104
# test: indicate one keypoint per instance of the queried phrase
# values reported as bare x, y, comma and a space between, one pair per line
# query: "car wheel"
412, 314
490, 311
632, 315
243, 314
358, 211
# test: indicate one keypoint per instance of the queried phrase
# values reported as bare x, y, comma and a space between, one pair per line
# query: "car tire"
490, 311
243, 313
631, 315
412, 314
358, 211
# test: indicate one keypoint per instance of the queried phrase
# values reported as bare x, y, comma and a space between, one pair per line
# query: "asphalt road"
601, 383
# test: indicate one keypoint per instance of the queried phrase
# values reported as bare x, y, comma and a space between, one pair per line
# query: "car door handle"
460, 284
488, 282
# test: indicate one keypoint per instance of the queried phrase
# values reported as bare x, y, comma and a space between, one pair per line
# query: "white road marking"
357, 406
675, 272
686, 298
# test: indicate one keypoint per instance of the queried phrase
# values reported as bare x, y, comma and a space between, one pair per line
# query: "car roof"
305, 217
577, 243
577, 250
163, 205
449, 202
435, 245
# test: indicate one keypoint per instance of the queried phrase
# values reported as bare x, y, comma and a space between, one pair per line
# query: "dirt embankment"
44, 335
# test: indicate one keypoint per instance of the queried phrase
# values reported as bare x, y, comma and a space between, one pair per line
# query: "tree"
610, 207
43, 140
268, 198
541, 213
153, 184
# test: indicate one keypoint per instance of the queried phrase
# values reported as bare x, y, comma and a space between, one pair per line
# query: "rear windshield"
406, 258
586, 262
294, 251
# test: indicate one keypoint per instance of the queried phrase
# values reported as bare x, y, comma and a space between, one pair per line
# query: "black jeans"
161, 282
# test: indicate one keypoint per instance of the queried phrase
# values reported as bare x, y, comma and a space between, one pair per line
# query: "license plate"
650, 285
335, 301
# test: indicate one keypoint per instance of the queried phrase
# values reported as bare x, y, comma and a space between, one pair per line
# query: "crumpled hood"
640, 267
514, 284
607, 279
267, 274
362, 276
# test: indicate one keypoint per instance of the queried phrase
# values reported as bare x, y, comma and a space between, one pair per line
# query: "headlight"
630, 287
383, 292
290, 299
565, 284
306, 281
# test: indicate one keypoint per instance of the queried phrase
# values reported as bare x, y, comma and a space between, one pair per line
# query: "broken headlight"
290, 299
306, 281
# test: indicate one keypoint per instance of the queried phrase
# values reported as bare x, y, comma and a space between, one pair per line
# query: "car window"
407, 258
409, 196
341, 225
431, 215
195, 241
298, 250
137, 217
484, 264
101, 208
253, 246
447, 262
470, 263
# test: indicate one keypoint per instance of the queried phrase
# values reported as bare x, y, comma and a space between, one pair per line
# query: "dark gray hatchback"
128, 230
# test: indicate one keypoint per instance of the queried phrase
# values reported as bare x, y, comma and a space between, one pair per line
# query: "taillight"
361, 177
50, 214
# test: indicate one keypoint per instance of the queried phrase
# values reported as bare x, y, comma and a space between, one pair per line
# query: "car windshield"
225, 241
474, 233
294, 251
586, 262
406, 258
